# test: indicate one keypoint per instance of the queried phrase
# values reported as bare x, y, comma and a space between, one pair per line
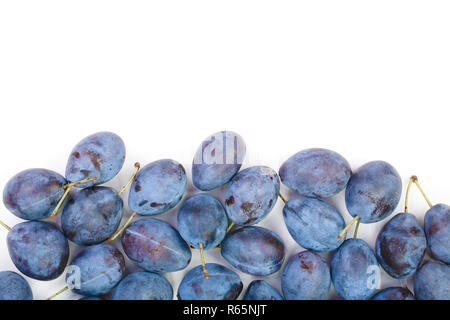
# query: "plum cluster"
91, 218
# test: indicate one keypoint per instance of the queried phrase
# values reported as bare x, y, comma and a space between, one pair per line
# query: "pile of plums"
91, 218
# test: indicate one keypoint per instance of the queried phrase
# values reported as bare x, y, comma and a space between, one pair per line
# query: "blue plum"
437, 230
38, 249
400, 246
432, 281
306, 276
158, 187
143, 286
316, 172
394, 293
261, 290
14, 287
373, 191
91, 298
254, 250
34, 193
202, 219
155, 246
101, 154
223, 284
100, 267
217, 160
92, 215
314, 224
354, 270
251, 195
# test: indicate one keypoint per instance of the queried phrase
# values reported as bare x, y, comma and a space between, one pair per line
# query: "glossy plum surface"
34, 193
223, 284
217, 160
143, 285
352, 267
261, 290
432, 281
38, 249
319, 173
314, 224
394, 293
400, 246
91, 298
373, 191
100, 268
92, 215
254, 250
101, 154
155, 246
158, 187
14, 287
251, 195
306, 276
437, 230
202, 219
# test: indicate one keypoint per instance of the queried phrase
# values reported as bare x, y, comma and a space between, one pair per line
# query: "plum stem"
407, 192
356, 218
416, 181
203, 261
58, 293
230, 227
111, 239
355, 234
137, 166
282, 198
4, 225
68, 187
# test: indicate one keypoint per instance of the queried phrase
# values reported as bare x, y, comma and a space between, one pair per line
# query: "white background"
368, 79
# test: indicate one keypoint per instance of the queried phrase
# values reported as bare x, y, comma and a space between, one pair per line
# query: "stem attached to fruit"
203, 261
137, 166
4, 225
112, 238
58, 293
355, 234
230, 227
68, 187
416, 181
282, 198
356, 218
411, 180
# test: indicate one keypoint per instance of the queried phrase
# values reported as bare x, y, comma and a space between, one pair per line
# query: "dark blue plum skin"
350, 270
158, 187
319, 173
92, 215
34, 193
38, 249
432, 281
202, 218
217, 160
14, 287
261, 290
101, 267
437, 230
306, 276
254, 250
101, 154
251, 195
394, 293
400, 246
143, 286
373, 191
223, 284
91, 298
314, 224
155, 246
